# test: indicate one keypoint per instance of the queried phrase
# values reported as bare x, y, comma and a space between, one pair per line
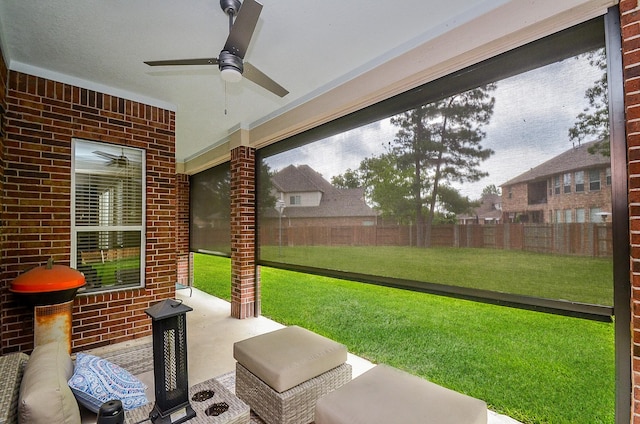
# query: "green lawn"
534, 367
575, 278
106, 271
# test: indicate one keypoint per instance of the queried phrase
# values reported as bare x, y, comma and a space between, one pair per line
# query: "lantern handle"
50, 263
175, 305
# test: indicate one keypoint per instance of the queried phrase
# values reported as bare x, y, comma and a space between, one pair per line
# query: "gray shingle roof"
573, 159
487, 208
300, 178
335, 202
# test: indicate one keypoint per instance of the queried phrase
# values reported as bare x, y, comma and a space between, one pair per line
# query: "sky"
530, 124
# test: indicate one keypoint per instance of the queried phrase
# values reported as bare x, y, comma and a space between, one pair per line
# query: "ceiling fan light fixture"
230, 74
230, 67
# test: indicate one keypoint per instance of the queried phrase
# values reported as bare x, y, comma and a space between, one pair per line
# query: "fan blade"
257, 76
243, 27
211, 61
106, 155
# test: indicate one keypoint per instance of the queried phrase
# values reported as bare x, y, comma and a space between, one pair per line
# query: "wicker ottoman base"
294, 406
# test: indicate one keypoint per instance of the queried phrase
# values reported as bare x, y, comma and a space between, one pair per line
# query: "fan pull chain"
225, 98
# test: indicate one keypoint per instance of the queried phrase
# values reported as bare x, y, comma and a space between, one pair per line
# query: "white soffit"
503, 28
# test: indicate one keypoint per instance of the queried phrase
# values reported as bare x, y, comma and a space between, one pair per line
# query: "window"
108, 210
594, 180
580, 217
295, 200
608, 176
558, 216
568, 216
556, 184
579, 181
595, 215
567, 182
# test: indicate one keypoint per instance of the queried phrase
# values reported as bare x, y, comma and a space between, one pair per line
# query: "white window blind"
108, 204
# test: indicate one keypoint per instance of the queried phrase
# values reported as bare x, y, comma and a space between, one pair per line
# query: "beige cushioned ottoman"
282, 374
388, 395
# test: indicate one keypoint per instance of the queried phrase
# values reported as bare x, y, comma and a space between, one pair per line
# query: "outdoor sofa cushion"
45, 397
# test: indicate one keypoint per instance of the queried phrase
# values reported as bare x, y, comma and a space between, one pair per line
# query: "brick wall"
243, 226
630, 23
42, 118
3, 104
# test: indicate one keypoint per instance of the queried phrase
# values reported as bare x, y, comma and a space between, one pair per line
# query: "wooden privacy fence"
108, 255
580, 239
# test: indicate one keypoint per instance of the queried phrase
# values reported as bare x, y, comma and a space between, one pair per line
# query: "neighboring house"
574, 186
489, 211
310, 200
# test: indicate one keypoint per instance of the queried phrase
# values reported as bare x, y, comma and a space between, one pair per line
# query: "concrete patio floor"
211, 333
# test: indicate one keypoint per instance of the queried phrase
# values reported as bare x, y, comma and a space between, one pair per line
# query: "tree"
593, 121
387, 186
490, 189
438, 143
266, 199
451, 201
350, 179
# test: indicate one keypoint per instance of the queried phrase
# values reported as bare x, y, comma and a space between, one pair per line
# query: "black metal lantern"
170, 362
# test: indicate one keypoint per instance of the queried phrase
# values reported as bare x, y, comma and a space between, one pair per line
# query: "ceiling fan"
114, 160
230, 61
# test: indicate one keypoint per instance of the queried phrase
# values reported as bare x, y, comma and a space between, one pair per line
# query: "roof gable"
334, 202
574, 159
301, 179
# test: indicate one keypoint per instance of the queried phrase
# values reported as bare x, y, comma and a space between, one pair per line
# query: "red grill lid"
48, 278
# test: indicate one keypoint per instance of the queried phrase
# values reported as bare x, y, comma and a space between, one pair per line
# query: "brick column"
243, 233
183, 256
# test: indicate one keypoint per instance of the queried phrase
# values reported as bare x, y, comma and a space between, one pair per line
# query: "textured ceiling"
308, 46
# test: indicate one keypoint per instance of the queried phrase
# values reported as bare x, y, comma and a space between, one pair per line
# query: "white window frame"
568, 216
566, 183
579, 181
295, 200
75, 229
595, 184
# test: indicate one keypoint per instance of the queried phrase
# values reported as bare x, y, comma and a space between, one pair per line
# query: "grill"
50, 289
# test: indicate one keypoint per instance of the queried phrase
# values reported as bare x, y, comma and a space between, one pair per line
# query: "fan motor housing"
226, 60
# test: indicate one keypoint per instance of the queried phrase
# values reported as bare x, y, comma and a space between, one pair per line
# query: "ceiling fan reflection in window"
114, 160
230, 61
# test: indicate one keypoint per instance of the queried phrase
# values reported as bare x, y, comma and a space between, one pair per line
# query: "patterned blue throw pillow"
96, 381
